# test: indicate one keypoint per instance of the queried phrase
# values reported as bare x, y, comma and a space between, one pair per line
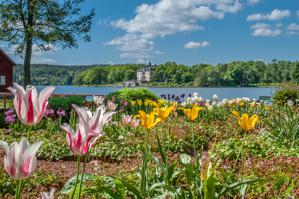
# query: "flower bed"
152, 148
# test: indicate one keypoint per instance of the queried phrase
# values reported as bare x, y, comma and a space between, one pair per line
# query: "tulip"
98, 100
148, 121
30, 106
20, 160
163, 113
139, 102
246, 123
133, 103
89, 129
111, 106
192, 114
126, 119
134, 122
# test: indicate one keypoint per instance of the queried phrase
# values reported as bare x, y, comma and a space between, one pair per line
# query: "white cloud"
166, 17
275, 15
193, 44
265, 30
293, 26
293, 29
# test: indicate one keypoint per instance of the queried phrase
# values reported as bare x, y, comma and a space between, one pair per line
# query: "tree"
42, 24
130, 74
295, 73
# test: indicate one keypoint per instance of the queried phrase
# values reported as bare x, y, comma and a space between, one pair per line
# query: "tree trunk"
27, 61
28, 40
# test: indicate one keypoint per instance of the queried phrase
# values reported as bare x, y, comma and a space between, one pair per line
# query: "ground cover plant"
168, 147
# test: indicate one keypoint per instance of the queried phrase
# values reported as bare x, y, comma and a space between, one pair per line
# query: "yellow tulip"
192, 114
164, 112
148, 121
246, 123
133, 103
139, 102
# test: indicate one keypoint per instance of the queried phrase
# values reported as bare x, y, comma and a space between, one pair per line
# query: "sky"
184, 31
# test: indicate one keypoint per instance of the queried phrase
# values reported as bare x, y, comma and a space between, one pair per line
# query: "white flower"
98, 100
215, 98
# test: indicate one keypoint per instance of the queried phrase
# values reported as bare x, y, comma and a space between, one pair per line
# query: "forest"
236, 73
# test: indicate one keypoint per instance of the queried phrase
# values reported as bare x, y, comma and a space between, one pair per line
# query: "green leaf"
132, 188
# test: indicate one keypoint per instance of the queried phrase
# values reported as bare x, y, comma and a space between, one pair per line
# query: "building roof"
7, 58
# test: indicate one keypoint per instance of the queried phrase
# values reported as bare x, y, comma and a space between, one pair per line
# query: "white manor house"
144, 74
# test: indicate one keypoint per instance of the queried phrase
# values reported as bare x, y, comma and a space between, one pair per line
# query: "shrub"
285, 93
130, 94
66, 102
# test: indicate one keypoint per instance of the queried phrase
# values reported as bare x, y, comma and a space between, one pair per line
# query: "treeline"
43, 74
237, 73
107, 74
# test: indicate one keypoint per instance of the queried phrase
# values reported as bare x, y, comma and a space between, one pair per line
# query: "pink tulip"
30, 106
89, 129
111, 106
126, 119
20, 158
134, 122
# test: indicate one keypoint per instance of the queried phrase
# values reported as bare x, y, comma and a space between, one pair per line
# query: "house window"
2, 80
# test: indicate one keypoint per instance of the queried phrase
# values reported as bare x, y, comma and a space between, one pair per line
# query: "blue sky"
185, 31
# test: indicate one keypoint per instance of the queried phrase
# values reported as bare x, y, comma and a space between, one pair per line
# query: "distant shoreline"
166, 86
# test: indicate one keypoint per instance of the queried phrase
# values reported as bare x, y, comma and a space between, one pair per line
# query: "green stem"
82, 175
19, 189
196, 159
29, 131
242, 166
77, 177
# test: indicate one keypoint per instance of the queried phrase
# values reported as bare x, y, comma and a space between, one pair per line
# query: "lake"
207, 93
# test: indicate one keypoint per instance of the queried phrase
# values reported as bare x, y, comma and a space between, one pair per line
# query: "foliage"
286, 93
236, 73
167, 180
66, 102
132, 94
283, 127
40, 25
230, 149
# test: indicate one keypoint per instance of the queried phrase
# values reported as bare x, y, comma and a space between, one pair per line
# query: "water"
206, 93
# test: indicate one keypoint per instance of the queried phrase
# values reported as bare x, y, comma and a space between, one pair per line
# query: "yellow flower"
161, 102
139, 102
154, 104
242, 104
164, 112
148, 121
246, 123
192, 114
146, 103
133, 103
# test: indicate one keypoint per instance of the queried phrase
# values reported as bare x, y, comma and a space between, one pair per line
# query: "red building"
6, 72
